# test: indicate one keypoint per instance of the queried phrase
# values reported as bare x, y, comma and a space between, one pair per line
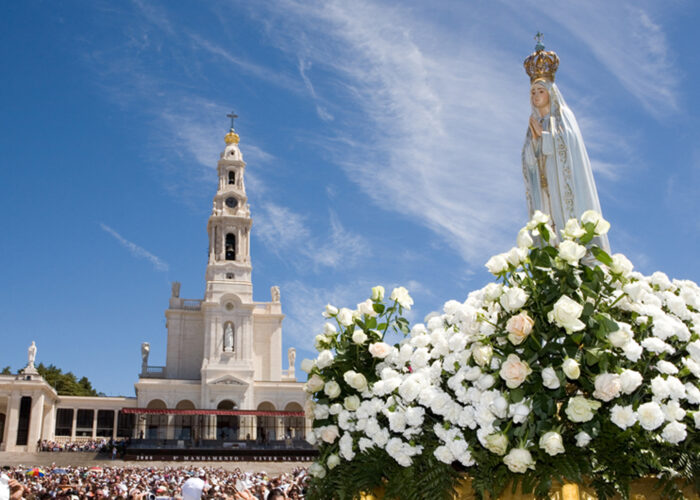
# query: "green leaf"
602, 256
378, 307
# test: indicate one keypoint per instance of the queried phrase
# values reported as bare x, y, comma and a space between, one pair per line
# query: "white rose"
583, 439
380, 350
325, 359
515, 256
481, 353
666, 367
696, 419
307, 365
332, 389
620, 337
359, 337
493, 291
650, 415
552, 443
444, 454
497, 264
674, 432
571, 252
661, 280
513, 299
571, 368
601, 225
355, 380
550, 379
623, 416
496, 443
673, 411
621, 265
573, 230
580, 409
367, 307
330, 311
519, 460
514, 371
314, 384
335, 409
524, 239
400, 295
329, 329
321, 341
378, 292
518, 412
633, 351
537, 218
351, 403
566, 314
317, 470
321, 412
329, 433
345, 317
630, 380
519, 327
657, 346
607, 386
333, 461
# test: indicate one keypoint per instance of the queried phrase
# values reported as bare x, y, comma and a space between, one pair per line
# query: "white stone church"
224, 376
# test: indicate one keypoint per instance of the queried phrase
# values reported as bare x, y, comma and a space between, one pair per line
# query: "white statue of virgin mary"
557, 171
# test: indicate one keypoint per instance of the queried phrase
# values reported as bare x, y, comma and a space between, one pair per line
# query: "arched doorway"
184, 423
294, 427
156, 425
267, 428
227, 426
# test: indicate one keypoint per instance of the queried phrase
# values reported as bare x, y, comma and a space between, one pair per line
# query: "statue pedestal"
29, 370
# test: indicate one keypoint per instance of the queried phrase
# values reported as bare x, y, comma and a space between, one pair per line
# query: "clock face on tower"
231, 202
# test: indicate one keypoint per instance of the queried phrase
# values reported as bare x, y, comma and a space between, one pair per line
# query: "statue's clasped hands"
535, 127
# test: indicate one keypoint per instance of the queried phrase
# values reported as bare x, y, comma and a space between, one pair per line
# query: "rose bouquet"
570, 367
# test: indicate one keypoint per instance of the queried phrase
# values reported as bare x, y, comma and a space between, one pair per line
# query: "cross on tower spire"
538, 39
233, 116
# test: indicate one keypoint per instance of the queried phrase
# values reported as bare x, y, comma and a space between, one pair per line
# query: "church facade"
223, 377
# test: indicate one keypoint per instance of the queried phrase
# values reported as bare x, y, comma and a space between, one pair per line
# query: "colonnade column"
94, 423
73, 424
115, 422
11, 421
35, 421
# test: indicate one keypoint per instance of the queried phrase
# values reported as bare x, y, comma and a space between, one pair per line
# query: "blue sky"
382, 142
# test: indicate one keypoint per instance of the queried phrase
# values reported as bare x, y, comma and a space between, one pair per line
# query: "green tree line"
66, 384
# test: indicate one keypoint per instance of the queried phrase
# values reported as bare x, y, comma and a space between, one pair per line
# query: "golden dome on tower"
232, 137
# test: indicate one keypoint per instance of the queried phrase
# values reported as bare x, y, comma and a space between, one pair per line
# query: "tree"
66, 384
6, 371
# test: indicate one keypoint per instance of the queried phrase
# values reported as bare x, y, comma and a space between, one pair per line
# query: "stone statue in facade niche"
175, 289
275, 292
228, 338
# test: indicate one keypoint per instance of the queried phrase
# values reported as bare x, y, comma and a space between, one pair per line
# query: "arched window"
230, 246
232, 177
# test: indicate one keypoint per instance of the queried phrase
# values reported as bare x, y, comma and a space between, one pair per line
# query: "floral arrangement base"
641, 489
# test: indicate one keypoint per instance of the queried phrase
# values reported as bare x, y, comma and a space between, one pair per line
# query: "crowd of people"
85, 445
136, 483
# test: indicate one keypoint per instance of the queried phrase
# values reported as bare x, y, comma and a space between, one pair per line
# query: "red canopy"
252, 413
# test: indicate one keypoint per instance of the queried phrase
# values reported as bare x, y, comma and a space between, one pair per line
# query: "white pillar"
94, 423
73, 424
11, 421
115, 422
170, 429
35, 421
49, 428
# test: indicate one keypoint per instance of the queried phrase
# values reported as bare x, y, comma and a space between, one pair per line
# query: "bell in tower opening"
230, 246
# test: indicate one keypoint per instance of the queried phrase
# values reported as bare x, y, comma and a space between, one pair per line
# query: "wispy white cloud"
321, 110
631, 45
287, 234
136, 250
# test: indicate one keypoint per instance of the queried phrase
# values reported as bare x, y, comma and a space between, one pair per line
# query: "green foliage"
6, 371
66, 384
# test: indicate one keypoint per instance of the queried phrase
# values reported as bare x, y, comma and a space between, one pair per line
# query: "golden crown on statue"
541, 63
